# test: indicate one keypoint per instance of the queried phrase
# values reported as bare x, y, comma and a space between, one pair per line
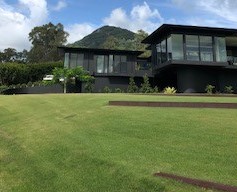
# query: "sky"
81, 17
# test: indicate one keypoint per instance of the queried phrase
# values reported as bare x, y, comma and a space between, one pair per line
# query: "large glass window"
206, 48
163, 51
169, 48
80, 59
158, 49
120, 64
177, 47
66, 60
111, 63
192, 48
73, 60
100, 62
116, 63
123, 62
220, 47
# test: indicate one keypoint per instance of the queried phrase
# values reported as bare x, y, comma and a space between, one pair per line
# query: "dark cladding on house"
111, 68
186, 57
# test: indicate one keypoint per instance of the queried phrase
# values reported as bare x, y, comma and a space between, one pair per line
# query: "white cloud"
38, 10
60, 5
78, 31
15, 25
17, 21
140, 17
214, 22
223, 8
218, 13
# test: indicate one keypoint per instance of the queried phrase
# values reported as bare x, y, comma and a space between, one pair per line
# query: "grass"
79, 143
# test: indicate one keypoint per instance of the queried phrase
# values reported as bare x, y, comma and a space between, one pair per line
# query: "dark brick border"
188, 94
199, 183
174, 104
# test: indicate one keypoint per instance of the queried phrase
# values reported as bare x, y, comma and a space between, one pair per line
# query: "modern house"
190, 57
111, 68
186, 57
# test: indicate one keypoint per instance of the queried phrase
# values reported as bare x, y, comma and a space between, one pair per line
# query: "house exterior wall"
117, 78
113, 83
193, 74
227, 77
194, 79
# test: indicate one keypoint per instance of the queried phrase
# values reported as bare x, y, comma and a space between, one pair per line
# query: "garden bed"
35, 90
199, 183
174, 104
193, 94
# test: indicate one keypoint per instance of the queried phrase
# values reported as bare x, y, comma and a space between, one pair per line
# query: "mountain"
97, 38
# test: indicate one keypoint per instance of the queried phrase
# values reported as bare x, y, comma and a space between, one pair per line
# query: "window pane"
158, 48
106, 63
80, 60
123, 58
220, 46
66, 60
116, 63
177, 47
206, 48
169, 48
192, 48
123, 64
100, 63
73, 60
163, 51
111, 63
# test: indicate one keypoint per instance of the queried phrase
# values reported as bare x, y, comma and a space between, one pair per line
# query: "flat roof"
166, 29
99, 51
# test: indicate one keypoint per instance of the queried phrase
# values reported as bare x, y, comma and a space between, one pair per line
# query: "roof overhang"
98, 51
167, 29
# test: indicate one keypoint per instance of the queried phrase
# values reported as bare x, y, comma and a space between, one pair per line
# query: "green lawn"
78, 143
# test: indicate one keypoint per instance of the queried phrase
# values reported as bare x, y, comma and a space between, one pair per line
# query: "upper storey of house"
106, 62
192, 45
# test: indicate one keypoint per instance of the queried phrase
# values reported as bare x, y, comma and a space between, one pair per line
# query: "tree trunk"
64, 86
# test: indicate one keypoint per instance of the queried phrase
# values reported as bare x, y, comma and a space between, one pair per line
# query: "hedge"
14, 73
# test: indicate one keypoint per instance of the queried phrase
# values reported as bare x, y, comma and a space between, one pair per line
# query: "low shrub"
23, 85
118, 90
145, 86
132, 87
107, 90
15, 73
29, 84
89, 87
155, 89
170, 90
3, 88
210, 89
45, 83
229, 89
38, 83
37, 71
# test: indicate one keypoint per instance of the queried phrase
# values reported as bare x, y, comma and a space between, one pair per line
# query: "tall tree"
139, 36
9, 54
111, 43
66, 74
45, 40
2, 57
22, 57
